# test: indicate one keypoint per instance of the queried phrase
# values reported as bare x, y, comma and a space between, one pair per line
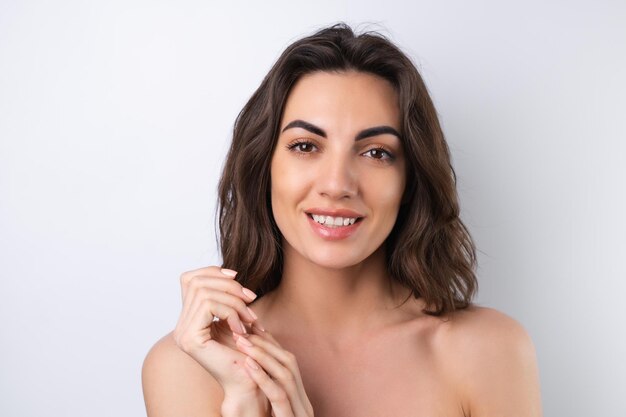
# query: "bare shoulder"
491, 359
485, 328
175, 384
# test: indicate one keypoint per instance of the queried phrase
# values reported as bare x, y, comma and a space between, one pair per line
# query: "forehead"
342, 101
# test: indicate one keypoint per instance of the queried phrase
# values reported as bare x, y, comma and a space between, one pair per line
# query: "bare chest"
387, 377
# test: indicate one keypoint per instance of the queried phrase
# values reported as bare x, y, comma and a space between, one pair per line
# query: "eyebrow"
363, 134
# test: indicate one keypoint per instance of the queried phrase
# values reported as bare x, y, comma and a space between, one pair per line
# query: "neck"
340, 303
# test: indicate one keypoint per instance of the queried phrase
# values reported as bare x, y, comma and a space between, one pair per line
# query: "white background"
115, 118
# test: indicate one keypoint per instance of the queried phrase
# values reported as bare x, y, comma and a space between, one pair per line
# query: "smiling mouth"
333, 222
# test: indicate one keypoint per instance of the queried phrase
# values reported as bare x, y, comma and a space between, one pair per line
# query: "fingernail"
229, 272
243, 329
248, 293
254, 316
251, 363
258, 326
244, 341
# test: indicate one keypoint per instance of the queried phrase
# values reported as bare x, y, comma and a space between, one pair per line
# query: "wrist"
244, 405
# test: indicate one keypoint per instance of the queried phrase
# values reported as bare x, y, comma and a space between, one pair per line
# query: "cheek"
288, 186
391, 200
385, 190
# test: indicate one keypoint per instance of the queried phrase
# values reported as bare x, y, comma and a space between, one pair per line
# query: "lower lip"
333, 233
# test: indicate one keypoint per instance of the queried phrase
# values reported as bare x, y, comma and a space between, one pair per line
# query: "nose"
337, 177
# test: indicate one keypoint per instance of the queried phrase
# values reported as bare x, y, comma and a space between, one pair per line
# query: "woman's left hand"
276, 372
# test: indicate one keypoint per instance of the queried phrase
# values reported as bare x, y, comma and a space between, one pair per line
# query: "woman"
348, 274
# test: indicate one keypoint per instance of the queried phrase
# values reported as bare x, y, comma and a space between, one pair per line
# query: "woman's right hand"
213, 292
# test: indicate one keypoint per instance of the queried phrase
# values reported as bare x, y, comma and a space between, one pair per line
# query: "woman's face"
338, 169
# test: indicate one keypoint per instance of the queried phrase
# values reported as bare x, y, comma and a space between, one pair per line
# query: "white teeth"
333, 221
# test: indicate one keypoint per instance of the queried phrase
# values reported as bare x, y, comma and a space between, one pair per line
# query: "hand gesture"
276, 372
214, 311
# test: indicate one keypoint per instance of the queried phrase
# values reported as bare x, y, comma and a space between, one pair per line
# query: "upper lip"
341, 212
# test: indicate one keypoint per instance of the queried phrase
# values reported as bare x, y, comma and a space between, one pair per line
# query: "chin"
336, 260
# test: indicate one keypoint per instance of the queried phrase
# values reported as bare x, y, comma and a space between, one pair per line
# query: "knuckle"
184, 278
285, 376
233, 287
204, 293
278, 396
290, 358
231, 311
240, 305
207, 303
194, 283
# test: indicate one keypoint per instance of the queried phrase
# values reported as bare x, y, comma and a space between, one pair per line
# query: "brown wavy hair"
429, 248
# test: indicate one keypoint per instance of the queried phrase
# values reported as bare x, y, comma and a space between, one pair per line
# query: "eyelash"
294, 145
389, 157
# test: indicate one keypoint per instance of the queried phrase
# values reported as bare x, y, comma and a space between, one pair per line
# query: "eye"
379, 153
301, 146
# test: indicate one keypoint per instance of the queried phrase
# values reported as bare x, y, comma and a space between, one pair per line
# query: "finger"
209, 270
196, 331
214, 271
193, 321
192, 304
223, 284
274, 362
245, 313
202, 317
278, 398
285, 358
265, 339
201, 283
258, 330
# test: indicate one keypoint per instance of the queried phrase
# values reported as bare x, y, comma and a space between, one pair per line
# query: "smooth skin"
338, 339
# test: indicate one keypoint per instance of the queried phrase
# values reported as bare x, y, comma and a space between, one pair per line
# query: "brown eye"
378, 153
302, 147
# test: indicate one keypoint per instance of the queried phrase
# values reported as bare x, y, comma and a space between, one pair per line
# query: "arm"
176, 385
197, 370
277, 374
